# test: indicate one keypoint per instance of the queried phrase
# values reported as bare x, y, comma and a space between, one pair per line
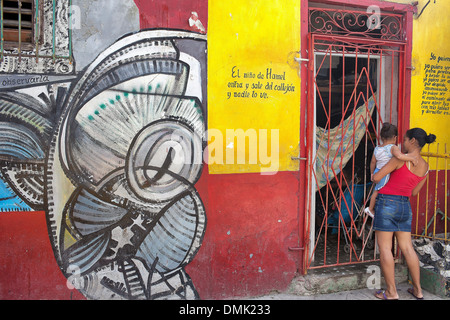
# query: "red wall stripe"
172, 14
28, 268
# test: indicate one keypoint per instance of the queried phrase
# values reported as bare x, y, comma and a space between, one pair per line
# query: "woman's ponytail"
430, 138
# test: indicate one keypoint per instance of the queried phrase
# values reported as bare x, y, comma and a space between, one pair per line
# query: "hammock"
333, 153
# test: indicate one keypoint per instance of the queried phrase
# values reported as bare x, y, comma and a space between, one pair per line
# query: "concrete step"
343, 278
434, 282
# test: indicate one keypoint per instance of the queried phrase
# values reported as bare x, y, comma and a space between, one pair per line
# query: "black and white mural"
113, 157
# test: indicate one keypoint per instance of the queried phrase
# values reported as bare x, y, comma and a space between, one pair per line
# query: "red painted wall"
28, 269
251, 223
422, 214
172, 14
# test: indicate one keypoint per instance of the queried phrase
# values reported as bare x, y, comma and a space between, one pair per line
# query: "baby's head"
388, 132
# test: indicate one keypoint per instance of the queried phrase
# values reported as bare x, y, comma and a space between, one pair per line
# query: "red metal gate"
356, 82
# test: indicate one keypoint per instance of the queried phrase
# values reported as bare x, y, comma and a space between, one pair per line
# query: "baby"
381, 155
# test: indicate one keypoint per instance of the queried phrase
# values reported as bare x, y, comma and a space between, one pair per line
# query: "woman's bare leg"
405, 244
384, 240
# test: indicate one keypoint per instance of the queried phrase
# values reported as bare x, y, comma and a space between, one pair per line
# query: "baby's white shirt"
383, 155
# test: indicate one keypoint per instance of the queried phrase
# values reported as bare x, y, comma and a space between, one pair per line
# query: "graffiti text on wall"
258, 84
19, 81
435, 96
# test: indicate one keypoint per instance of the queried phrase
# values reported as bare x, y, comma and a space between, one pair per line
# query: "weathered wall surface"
110, 152
430, 91
149, 154
99, 25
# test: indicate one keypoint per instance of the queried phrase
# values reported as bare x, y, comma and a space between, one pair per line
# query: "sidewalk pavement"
358, 294
350, 282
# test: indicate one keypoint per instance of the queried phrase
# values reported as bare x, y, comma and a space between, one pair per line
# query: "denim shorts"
392, 213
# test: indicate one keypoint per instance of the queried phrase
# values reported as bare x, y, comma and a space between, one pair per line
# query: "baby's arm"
401, 156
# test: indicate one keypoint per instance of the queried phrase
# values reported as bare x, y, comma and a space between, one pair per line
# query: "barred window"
36, 36
17, 23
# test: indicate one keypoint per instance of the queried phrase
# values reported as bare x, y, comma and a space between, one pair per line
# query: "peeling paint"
195, 22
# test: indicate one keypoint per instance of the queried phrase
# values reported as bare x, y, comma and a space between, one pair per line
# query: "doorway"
356, 82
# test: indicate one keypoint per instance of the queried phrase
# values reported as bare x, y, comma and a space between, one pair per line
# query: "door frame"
307, 132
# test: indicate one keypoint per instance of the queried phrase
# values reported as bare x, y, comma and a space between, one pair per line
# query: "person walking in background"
393, 213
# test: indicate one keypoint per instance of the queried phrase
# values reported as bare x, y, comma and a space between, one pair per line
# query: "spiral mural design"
124, 214
25, 131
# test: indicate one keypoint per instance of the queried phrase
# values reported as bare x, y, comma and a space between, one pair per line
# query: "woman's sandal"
411, 291
384, 297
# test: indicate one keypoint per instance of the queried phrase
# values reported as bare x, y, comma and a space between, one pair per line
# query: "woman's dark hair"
388, 131
421, 136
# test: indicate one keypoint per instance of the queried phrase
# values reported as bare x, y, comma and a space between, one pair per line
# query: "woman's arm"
418, 187
393, 164
421, 183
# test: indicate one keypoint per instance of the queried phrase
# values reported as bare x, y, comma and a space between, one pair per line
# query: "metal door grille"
355, 85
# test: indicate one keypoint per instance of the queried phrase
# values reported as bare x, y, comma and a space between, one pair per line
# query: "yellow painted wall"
431, 62
249, 43
252, 37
